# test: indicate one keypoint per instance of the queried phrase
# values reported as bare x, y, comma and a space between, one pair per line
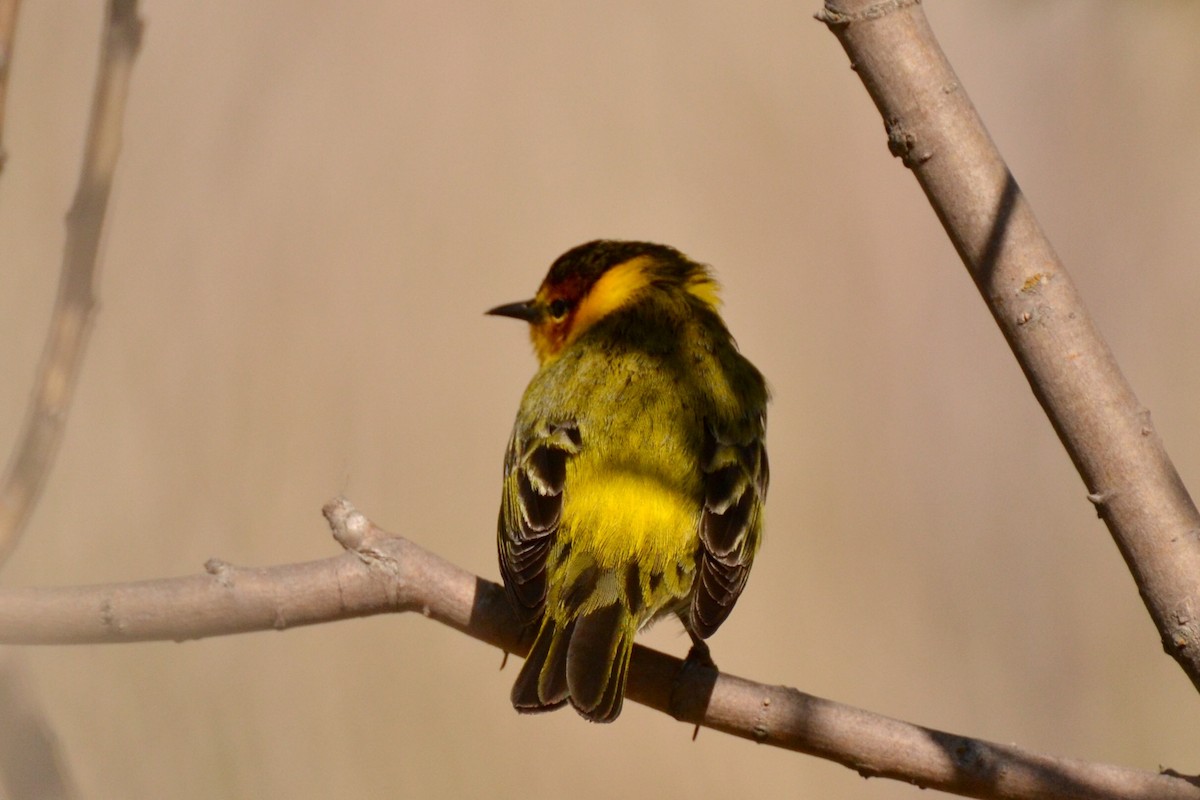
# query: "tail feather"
596, 661
552, 682
541, 684
585, 661
614, 693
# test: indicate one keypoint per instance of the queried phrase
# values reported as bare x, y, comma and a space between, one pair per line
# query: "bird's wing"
736, 474
535, 470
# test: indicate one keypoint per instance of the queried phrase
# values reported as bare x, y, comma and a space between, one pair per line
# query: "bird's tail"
583, 659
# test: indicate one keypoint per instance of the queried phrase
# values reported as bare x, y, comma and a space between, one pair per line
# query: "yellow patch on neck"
615, 288
703, 286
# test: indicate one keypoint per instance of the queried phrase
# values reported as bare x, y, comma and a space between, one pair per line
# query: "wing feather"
535, 470
736, 474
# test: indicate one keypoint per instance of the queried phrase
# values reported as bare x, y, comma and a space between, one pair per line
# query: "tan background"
315, 204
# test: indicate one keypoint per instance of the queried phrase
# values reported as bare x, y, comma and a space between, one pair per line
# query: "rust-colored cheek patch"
550, 337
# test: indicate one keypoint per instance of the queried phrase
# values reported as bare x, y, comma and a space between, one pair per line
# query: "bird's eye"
558, 308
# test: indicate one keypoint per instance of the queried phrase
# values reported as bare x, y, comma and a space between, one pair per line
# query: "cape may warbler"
636, 471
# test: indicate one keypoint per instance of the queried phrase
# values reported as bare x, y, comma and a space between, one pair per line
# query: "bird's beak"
525, 310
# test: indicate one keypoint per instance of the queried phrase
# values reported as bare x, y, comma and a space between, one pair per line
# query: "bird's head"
589, 282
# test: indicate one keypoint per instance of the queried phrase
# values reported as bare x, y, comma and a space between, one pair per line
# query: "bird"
635, 474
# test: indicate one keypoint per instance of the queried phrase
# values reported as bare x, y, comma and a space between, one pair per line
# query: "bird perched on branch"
636, 471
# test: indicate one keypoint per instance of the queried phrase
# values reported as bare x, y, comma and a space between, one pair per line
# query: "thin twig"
380, 573
74, 307
8, 29
933, 127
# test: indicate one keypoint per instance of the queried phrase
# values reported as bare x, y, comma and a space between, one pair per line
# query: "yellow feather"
627, 516
616, 287
704, 287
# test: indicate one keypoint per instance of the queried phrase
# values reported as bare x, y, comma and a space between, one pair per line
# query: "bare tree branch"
380, 573
8, 28
933, 127
71, 320
1074, 376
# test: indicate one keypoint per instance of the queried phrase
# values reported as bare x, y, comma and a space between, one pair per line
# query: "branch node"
108, 617
350, 527
836, 17
902, 144
357, 534
762, 728
1147, 425
221, 570
1183, 634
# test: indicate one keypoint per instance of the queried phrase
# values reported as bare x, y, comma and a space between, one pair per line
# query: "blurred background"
314, 206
